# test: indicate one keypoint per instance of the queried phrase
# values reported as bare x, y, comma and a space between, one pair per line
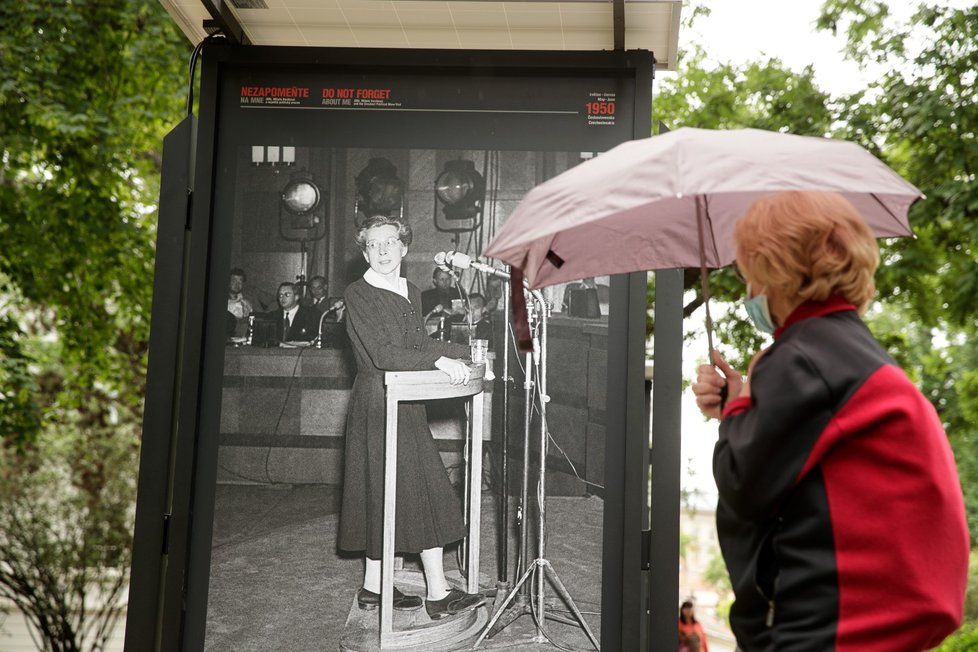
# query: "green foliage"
716, 575
82, 113
66, 525
971, 597
762, 95
919, 115
19, 413
87, 90
963, 640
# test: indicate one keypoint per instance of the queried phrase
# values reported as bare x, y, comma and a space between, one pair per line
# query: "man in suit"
318, 300
317, 294
293, 322
441, 294
481, 322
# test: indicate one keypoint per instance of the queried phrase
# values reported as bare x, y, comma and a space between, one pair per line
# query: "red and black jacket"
840, 517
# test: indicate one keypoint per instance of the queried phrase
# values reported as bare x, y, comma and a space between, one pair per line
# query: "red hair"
808, 245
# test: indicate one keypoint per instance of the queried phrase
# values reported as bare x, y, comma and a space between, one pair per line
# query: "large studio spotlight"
302, 210
461, 192
379, 190
301, 197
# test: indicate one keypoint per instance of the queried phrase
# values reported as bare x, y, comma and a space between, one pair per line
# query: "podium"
418, 386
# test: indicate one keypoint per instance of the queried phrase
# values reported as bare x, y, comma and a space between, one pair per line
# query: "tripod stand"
537, 571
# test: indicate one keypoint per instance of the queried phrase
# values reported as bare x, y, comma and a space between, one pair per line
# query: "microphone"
462, 261
336, 306
440, 261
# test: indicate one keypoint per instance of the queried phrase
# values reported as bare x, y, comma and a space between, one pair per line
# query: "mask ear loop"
705, 285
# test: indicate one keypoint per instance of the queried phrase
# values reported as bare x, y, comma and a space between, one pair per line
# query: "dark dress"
387, 335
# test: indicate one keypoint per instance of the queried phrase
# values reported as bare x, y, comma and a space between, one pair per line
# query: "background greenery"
920, 116
87, 91
88, 88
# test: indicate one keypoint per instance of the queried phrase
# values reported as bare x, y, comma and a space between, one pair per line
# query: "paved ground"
277, 582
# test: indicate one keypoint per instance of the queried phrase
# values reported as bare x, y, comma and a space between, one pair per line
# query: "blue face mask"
759, 313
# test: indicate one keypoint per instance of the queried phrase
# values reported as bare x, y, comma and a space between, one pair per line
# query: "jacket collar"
378, 281
811, 309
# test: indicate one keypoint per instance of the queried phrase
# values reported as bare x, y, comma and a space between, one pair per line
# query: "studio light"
379, 190
461, 191
301, 195
302, 208
302, 211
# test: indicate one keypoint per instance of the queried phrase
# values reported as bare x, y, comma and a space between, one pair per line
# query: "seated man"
585, 298
481, 324
293, 322
481, 321
441, 294
317, 295
317, 299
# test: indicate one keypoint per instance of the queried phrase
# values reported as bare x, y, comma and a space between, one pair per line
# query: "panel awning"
456, 24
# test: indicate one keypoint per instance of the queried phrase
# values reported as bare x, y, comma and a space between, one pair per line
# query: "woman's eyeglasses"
389, 243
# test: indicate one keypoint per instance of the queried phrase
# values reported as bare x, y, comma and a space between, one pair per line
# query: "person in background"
385, 328
494, 293
481, 323
441, 306
692, 638
293, 322
318, 300
240, 288
586, 298
441, 294
239, 306
840, 514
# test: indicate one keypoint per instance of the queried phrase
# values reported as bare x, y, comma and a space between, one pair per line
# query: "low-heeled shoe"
370, 600
455, 602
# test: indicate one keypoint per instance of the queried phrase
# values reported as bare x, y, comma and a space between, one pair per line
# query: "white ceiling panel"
466, 24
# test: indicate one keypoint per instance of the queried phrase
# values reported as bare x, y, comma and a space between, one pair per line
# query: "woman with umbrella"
387, 333
840, 513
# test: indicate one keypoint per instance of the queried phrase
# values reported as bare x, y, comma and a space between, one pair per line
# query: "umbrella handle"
705, 284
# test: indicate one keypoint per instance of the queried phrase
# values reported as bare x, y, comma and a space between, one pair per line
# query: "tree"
87, 90
921, 117
761, 95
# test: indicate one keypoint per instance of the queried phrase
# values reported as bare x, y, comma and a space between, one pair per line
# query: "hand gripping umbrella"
671, 201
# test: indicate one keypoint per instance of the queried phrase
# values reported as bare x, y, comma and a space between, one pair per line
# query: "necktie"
285, 325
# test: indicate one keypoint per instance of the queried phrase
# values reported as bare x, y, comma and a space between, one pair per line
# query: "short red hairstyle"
809, 246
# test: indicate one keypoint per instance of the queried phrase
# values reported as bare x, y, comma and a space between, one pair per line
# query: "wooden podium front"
417, 386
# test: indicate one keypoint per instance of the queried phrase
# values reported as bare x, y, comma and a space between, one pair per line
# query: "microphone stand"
536, 360
319, 333
502, 540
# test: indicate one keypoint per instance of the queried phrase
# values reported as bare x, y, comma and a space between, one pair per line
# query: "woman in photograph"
384, 322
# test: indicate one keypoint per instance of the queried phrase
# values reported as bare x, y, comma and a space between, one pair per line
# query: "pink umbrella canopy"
634, 207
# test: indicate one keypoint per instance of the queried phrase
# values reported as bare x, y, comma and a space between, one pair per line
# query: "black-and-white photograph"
347, 263
378, 455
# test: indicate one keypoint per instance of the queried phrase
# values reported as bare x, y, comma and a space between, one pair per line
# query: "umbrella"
671, 201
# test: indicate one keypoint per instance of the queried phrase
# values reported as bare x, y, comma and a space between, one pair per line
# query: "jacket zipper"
769, 618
